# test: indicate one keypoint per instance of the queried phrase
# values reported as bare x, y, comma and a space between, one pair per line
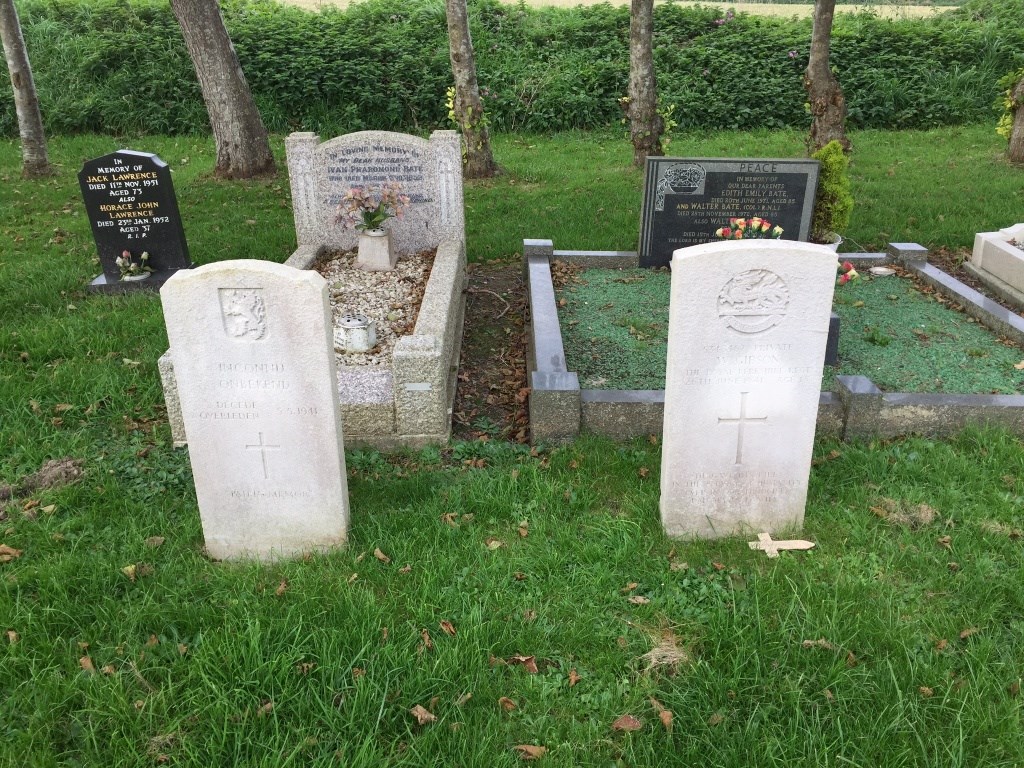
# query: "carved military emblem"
244, 313
753, 301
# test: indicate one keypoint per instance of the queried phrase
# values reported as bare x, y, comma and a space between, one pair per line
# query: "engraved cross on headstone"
262, 448
772, 548
740, 422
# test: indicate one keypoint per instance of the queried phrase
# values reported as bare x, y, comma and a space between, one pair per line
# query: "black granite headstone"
130, 200
687, 199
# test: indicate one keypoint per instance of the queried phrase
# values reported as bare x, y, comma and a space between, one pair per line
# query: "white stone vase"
375, 251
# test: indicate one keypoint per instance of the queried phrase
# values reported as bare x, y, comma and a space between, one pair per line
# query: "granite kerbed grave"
407, 400
560, 408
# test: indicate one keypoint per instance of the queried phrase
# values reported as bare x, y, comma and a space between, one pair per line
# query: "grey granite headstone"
748, 323
429, 172
687, 199
256, 376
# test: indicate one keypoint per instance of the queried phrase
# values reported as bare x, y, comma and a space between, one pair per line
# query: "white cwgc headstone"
748, 322
255, 367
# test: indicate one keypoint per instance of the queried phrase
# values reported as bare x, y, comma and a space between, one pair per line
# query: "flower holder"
375, 251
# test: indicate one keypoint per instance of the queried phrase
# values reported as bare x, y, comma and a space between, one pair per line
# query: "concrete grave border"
408, 404
560, 409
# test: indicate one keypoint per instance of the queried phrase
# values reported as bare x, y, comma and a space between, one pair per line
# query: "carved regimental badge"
753, 301
244, 313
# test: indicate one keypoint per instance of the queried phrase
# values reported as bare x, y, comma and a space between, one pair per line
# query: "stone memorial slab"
129, 198
254, 363
429, 172
687, 199
748, 322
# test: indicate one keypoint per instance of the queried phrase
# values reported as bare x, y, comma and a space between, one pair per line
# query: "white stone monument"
748, 323
254, 361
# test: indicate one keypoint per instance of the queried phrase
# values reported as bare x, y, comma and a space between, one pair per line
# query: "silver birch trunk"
243, 148
641, 103
824, 94
34, 159
1015, 152
469, 112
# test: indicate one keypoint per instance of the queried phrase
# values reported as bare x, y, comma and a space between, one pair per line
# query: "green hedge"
120, 66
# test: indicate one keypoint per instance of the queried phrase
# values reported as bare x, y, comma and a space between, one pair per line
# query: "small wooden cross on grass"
772, 548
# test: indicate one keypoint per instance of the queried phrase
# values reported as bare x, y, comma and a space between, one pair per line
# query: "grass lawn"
525, 600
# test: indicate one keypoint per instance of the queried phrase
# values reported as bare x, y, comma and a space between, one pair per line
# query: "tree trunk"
469, 112
243, 149
828, 105
641, 103
1015, 152
35, 162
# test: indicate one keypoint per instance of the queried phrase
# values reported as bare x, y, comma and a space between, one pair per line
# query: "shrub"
120, 66
833, 204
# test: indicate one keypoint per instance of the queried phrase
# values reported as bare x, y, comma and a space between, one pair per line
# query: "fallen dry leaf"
926, 692
1019, 366
716, 719
423, 716
493, 544
529, 615
639, 600
941, 645
968, 632
12, 636
428, 643
86, 664
627, 723
461, 701
152, 640
1013, 689
573, 677
108, 670
8, 553
265, 708
352, 578
447, 627
507, 704
629, 588
281, 588
665, 716
519, 576
643, 471
129, 571
945, 541
381, 556
530, 751
529, 663
155, 541
405, 568
523, 532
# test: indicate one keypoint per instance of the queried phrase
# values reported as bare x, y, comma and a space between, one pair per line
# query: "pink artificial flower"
723, 232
